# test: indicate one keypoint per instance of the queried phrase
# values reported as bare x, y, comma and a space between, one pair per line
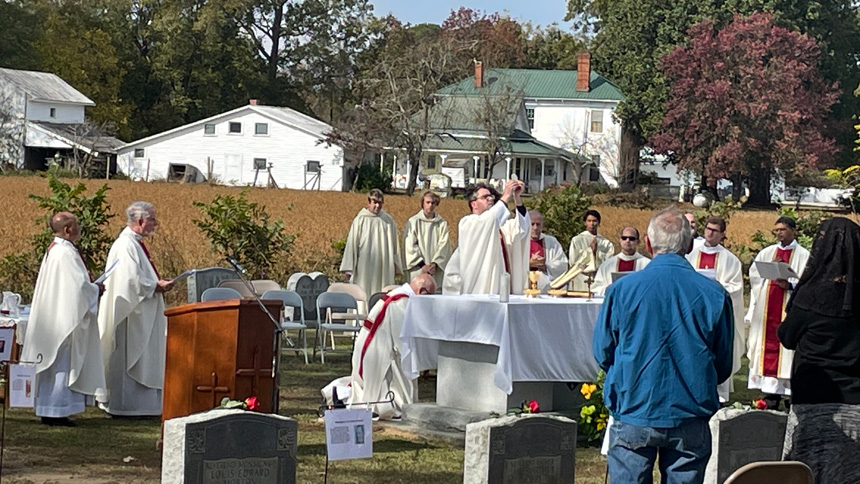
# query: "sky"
541, 12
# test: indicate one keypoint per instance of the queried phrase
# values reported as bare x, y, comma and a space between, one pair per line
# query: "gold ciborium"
532, 290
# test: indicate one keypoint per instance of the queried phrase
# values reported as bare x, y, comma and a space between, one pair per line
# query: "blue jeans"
684, 452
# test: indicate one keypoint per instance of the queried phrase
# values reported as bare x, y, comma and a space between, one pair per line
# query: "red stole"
772, 319
707, 261
626, 265
374, 325
536, 247
143, 246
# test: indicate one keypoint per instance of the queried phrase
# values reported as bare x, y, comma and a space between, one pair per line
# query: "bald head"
423, 284
65, 225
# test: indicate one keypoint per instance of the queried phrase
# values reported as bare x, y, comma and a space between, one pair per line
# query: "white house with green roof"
568, 110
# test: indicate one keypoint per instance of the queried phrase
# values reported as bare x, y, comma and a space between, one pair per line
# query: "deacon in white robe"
770, 362
546, 254
589, 249
376, 365
628, 260
132, 324
490, 245
372, 258
427, 245
62, 332
729, 273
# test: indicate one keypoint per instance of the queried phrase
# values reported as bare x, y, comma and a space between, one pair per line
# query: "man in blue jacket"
664, 337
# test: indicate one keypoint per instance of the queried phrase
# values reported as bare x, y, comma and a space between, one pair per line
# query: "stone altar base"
465, 381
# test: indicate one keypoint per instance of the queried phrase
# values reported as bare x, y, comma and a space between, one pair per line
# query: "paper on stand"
775, 270
349, 433
22, 381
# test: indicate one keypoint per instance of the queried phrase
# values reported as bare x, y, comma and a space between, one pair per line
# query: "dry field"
319, 218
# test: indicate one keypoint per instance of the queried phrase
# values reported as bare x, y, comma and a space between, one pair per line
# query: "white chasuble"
372, 252
555, 259
770, 362
617, 263
376, 365
63, 328
133, 331
426, 240
489, 245
730, 275
580, 253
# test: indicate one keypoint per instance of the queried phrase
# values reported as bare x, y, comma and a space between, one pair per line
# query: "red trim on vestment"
707, 261
626, 265
149, 258
772, 320
374, 325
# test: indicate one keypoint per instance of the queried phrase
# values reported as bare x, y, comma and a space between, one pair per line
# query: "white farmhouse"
253, 145
43, 120
570, 110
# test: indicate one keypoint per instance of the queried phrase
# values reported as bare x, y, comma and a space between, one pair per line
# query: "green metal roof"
465, 113
520, 144
538, 84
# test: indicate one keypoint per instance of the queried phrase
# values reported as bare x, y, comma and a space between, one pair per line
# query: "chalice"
534, 277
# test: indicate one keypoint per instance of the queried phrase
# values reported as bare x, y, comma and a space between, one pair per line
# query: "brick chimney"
583, 71
253, 102
479, 74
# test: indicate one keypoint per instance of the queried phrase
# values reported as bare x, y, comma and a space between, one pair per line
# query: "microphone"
233, 262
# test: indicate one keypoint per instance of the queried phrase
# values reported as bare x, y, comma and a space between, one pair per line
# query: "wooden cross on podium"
214, 389
255, 372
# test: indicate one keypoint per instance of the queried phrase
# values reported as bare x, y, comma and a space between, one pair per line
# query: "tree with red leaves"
747, 103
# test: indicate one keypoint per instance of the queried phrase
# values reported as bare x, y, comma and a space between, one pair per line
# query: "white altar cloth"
542, 339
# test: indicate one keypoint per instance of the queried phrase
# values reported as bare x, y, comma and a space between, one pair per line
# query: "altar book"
775, 270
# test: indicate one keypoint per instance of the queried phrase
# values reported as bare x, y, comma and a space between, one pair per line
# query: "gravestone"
309, 287
739, 437
203, 279
532, 448
226, 446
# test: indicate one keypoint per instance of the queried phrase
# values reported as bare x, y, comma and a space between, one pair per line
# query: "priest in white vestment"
426, 242
628, 260
372, 258
589, 249
698, 240
546, 254
63, 332
729, 273
770, 362
376, 365
132, 324
490, 245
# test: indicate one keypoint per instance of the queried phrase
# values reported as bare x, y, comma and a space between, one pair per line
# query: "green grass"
94, 450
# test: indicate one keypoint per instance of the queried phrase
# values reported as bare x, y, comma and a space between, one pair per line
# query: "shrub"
370, 177
241, 229
562, 210
19, 271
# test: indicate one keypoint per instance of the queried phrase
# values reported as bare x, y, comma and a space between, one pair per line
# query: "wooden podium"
218, 349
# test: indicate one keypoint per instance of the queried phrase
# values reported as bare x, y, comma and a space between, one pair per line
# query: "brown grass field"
317, 217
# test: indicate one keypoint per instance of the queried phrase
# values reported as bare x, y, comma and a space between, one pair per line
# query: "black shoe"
59, 422
772, 401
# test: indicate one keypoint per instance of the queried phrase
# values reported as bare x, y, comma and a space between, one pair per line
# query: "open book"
775, 270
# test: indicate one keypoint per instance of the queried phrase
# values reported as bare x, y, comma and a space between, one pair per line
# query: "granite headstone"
309, 287
229, 446
740, 437
527, 449
203, 279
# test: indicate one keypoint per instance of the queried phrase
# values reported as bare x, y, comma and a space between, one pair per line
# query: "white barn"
253, 145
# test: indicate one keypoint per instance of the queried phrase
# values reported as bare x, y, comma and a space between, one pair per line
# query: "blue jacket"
664, 337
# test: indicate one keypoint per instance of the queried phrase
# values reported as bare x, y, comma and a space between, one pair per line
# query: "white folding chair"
291, 299
219, 294
333, 313
237, 285
262, 286
360, 296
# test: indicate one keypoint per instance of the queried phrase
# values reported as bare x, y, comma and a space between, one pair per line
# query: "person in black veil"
823, 327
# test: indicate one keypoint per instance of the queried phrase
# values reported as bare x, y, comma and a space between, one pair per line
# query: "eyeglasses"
629, 237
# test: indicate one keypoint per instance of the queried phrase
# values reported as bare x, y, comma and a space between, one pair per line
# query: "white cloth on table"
54, 398
542, 339
372, 252
133, 331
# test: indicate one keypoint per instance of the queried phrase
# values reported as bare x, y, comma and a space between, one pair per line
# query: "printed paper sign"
22, 381
7, 338
349, 433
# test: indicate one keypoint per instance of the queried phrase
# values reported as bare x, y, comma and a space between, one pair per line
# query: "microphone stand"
276, 341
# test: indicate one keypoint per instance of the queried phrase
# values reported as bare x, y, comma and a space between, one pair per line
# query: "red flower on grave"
534, 407
760, 404
251, 403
